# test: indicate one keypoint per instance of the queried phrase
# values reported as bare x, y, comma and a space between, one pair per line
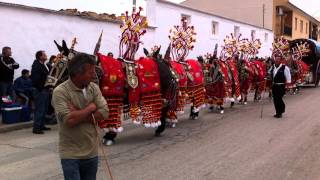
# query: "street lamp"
281, 14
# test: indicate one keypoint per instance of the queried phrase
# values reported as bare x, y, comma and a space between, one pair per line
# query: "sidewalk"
15, 126
12, 127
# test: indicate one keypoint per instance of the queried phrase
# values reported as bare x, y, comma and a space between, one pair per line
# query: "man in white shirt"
281, 76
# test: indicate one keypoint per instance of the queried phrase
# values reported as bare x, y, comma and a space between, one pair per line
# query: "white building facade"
211, 29
27, 30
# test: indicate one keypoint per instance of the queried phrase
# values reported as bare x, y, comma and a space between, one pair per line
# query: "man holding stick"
78, 102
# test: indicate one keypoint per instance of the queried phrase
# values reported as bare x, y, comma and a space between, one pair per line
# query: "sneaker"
37, 132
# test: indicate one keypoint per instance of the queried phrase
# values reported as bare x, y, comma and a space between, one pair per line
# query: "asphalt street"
238, 145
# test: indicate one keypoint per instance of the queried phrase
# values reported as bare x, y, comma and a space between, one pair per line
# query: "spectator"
50, 117
39, 73
110, 54
7, 67
50, 64
23, 86
76, 102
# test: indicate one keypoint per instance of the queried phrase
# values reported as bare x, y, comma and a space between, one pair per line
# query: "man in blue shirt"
23, 86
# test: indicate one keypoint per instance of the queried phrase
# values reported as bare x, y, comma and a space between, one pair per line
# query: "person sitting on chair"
23, 86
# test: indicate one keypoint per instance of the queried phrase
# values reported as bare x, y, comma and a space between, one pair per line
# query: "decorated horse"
130, 86
189, 71
252, 71
214, 81
299, 69
136, 86
229, 57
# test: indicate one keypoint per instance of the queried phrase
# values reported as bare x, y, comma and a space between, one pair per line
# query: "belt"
278, 83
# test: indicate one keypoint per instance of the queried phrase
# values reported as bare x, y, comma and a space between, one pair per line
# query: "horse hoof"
222, 112
245, 103
157, 134
120, 129
107, 142
195, 118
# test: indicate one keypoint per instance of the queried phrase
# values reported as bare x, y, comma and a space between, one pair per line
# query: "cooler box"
25, 113
11, 113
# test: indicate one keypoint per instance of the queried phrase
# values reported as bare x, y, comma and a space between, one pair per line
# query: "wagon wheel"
317, 78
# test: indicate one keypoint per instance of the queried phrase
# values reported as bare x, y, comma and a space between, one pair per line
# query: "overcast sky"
118, 6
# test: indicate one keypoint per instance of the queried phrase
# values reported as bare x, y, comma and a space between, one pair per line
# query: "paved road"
236, 146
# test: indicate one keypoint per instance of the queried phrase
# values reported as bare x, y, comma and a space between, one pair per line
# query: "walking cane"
108, 169
108, 173
262, 104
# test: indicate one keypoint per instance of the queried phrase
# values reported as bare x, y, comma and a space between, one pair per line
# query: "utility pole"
134, 3
263, 12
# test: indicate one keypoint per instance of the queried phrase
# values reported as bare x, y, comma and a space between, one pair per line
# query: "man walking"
7, 67
280, 77
39, 73
78, 102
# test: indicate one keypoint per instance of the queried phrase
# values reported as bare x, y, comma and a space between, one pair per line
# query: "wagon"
312, 59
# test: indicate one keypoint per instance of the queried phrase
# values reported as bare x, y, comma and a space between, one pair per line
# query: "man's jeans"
41, 102
6, 89
80, 169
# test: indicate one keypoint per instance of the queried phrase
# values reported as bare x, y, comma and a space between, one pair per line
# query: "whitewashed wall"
166, 15
29, 30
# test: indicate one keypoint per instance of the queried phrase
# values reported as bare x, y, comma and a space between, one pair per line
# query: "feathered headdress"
132, 27
182, 39
281, 48
230, 47
244, 48
255, 45
300, 50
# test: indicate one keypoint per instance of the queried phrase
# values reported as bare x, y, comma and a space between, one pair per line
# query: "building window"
301, 26
236, 31
306, 28
296, 24
215, 28
266, 37
187, 18
253, 34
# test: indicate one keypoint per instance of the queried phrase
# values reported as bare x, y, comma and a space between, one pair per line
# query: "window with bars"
236, 31
214, 28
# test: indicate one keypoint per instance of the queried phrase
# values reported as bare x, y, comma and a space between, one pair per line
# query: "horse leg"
211, 108
232, 102
163, 118
192, 114
221, 109
108, 138
245, 101
196, 115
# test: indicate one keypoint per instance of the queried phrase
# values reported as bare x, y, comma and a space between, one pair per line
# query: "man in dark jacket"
7, 67
23, 86
39, 73
280, 74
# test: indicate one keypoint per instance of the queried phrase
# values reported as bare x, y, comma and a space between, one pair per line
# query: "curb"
12, 127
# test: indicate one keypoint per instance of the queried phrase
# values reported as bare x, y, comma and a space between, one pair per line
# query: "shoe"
278, 116
37, 132
46, 129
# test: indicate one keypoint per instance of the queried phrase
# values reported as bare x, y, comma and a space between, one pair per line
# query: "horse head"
58, 73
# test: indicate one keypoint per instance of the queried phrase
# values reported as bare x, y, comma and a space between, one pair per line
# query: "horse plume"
98, 44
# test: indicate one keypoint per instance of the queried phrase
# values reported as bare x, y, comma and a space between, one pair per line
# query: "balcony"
314, 32
287, 31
